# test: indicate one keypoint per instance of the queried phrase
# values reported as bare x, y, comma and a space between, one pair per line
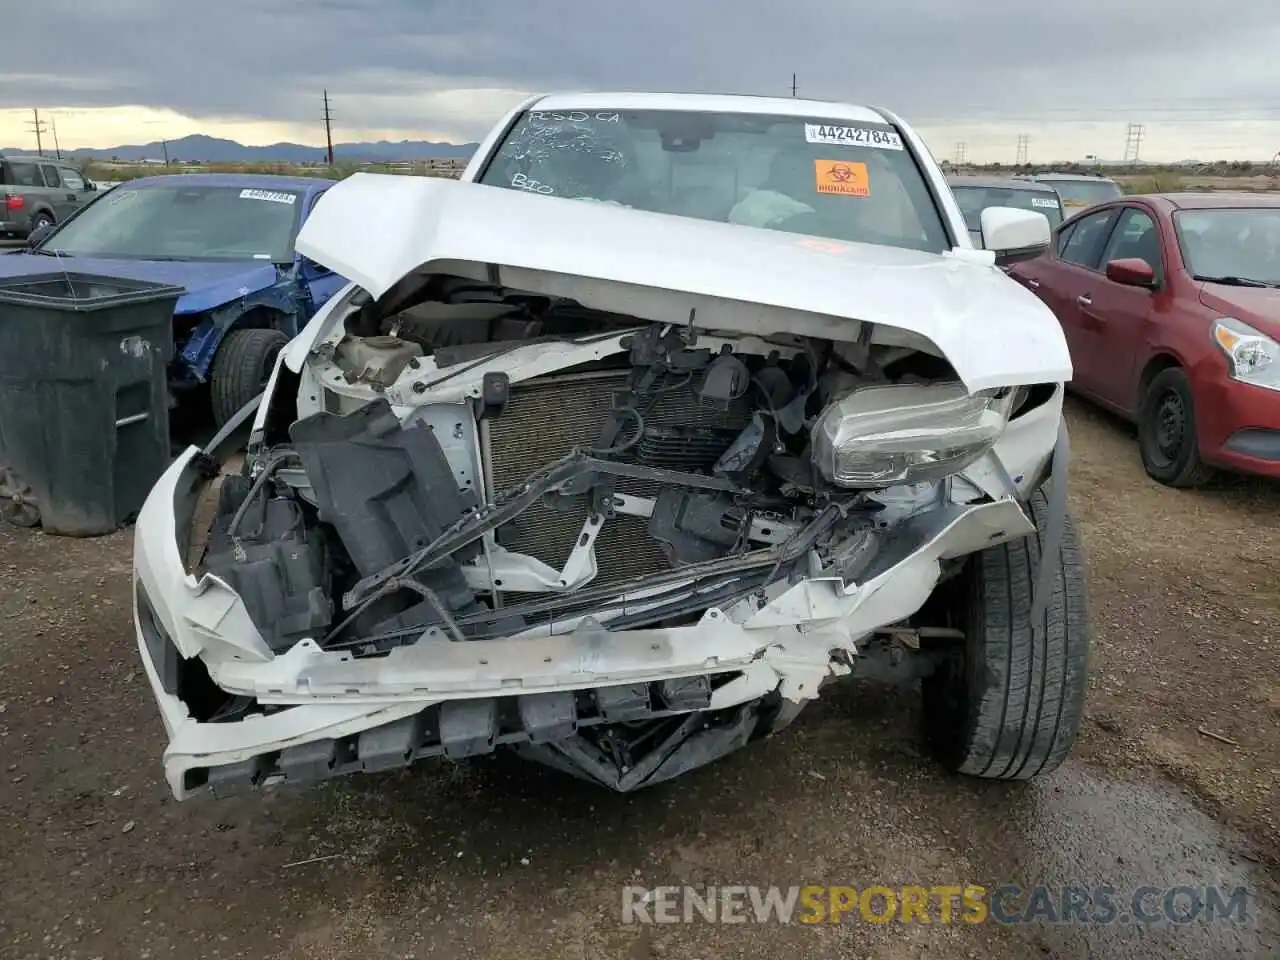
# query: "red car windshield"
1234, 244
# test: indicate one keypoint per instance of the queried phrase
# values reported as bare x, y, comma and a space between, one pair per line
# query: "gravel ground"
504, 860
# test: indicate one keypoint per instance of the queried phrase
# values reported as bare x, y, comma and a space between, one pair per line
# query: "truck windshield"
179, 222
825, 178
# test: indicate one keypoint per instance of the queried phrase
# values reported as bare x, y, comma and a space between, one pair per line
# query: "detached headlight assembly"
880, 436
1251, 354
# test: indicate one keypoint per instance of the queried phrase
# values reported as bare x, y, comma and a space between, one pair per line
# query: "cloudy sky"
1202, 78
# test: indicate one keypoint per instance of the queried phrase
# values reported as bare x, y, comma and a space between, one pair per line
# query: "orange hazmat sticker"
843, 177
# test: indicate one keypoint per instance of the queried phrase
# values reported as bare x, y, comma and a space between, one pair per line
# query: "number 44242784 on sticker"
841, 176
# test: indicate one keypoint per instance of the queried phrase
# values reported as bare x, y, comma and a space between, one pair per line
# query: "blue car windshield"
180, 222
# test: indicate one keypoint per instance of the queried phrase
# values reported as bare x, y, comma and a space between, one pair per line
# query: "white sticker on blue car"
271, 196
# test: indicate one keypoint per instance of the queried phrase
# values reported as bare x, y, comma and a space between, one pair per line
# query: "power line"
793, 84
328, 128
961, 155
1024, 143
1133, 142
39, 129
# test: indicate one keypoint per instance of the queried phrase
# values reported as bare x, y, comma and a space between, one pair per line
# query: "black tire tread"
235, 377
1023, 684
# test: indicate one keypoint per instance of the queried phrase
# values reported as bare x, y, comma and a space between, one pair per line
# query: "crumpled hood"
659, 267
208, 284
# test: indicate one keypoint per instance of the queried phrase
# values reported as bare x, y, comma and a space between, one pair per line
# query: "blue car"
228, 239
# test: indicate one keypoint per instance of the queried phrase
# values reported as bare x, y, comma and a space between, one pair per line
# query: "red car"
1171, 309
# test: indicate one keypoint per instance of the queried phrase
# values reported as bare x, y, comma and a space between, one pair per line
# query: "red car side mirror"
1132, 272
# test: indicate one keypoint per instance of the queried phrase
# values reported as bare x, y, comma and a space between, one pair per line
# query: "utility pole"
164, 145
1133, 142
1024, 143
961, 153
328, 128
793, 84
38, 127
53, 123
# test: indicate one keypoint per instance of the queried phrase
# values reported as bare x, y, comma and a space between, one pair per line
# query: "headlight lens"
906, 433
1251, 354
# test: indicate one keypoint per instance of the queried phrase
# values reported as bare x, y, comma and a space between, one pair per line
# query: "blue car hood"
208, 285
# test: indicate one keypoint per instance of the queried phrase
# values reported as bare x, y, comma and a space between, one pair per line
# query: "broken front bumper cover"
330, 713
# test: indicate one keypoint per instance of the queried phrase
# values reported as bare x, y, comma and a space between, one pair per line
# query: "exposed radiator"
542, 421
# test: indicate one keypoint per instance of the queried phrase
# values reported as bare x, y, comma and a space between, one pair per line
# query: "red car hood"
1257, 306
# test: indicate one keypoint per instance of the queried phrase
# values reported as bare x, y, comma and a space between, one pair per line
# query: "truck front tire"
1008, 704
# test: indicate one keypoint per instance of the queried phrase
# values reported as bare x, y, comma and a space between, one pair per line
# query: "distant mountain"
215, 150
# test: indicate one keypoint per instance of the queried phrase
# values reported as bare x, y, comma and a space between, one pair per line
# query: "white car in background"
615, 453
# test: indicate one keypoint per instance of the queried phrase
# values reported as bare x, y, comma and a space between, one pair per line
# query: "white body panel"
658, 267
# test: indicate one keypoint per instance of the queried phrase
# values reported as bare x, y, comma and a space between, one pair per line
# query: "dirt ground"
1176, 779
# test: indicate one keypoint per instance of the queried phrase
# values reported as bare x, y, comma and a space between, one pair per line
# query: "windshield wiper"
1234, 281
48, 253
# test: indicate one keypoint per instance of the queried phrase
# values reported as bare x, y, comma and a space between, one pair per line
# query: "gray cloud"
386, 64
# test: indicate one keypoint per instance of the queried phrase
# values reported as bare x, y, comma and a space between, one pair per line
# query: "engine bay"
673, 473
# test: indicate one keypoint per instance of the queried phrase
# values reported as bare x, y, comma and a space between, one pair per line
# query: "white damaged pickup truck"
615, 454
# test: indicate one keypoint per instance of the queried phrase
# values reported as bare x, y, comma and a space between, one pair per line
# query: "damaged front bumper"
322, 713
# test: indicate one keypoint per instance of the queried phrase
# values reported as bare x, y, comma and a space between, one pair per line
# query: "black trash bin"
84, 412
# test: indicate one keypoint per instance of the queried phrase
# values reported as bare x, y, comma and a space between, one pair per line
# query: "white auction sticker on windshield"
271, 196
881, 138
1044, 202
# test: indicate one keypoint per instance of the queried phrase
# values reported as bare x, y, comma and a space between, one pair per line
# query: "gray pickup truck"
35, 191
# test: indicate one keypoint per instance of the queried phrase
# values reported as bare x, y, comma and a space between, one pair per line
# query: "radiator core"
542, 421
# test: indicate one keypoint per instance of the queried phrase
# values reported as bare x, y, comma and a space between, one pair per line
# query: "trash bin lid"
82, 292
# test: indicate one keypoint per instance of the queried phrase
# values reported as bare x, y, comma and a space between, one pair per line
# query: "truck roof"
1091, 177
33, 158
711, 103
1008, 183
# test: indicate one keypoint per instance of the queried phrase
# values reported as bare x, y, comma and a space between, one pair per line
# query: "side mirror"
1015, 234
36, 237
90, 185
1132, 272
